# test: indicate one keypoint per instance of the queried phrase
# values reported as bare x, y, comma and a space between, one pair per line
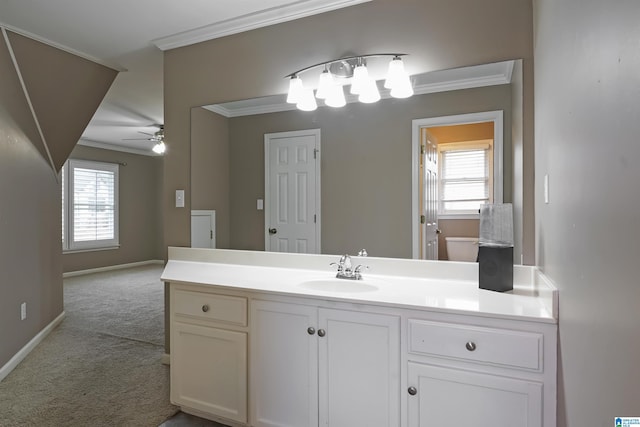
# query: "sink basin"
339, 285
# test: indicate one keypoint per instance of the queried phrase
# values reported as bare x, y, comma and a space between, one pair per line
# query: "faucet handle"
361, 267
340, 266
363, 252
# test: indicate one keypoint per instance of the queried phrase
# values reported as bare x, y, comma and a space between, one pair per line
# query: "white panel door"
292, 192
428, 196
359, 369
284, 365
203, 227
444, 397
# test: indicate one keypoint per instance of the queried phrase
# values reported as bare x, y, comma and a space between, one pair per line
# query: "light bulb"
159, 148
307, 101
336, 97
325, 83
360, 77
295, 90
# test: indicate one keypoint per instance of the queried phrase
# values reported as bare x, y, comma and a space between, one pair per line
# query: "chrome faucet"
345, 270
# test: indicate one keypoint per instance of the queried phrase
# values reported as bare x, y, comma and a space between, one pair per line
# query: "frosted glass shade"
369, 92
325, 83
307, 101
295, 90
359, 79
336, 97
159, 148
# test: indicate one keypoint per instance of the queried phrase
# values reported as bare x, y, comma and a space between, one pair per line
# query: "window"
89, 205
465, 177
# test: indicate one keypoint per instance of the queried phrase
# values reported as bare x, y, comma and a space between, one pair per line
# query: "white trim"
482, 75
92, 165
267, 199
166, 359
112, 267
497, 117
113, 147
62, 47
252, 21
24, 351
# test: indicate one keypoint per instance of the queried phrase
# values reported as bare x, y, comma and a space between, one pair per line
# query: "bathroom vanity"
271, 339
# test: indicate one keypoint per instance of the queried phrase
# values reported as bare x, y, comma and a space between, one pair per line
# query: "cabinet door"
284, 365
454, 397
359, 368
209, 370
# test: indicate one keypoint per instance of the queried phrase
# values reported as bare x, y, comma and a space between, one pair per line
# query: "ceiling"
130, 36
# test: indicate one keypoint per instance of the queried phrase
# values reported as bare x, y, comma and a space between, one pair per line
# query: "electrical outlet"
23, 311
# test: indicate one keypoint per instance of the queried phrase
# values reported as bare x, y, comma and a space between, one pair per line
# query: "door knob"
311, 331
412, 391
273, 231
321, 333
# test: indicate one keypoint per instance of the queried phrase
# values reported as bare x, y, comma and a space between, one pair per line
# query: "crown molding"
113, 147
252, 21
484, 75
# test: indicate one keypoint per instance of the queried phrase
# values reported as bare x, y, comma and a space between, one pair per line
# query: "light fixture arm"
346, 58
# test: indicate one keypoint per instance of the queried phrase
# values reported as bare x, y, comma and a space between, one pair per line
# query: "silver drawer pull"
205, 308
471, 346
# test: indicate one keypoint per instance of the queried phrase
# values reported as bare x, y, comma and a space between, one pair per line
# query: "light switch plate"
179, 198
260, 204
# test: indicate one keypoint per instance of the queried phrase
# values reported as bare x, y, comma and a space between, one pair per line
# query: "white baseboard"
112, 267
24, 351
166, 359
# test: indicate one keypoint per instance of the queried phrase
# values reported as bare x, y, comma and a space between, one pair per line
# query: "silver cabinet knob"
205, 308
273, 231
321, 332
471, 346
412, 391
311, 330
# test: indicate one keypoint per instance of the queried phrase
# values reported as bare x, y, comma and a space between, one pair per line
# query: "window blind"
464, 179
93, 205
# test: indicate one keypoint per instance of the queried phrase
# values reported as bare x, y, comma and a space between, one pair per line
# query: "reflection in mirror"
366, 161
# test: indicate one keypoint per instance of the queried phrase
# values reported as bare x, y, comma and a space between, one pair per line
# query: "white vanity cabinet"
465, 374
209, 352
312, 365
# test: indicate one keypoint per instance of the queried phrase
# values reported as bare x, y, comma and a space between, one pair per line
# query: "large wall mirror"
366, 160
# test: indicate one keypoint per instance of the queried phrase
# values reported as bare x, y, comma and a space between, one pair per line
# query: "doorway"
292, 191
427, 185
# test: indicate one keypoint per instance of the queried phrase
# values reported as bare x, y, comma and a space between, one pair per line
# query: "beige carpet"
102, 365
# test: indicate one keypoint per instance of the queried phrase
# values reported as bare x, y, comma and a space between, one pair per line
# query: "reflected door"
292, 191
428, 196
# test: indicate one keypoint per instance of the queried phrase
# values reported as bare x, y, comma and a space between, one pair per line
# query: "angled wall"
30, 206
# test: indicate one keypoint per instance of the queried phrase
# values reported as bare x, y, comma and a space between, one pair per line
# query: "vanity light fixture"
159, 148
349, 70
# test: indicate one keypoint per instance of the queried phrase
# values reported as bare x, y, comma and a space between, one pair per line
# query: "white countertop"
429, 285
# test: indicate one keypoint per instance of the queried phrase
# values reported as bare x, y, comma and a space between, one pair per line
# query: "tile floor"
186, 420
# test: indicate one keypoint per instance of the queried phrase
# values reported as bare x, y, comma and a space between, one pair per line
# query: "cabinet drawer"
478, 344
220, 308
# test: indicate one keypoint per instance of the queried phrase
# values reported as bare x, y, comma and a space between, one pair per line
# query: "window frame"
464, 146
68, 173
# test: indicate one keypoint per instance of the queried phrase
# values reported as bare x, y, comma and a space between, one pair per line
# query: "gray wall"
140, 226
30, 226
365, 167
438, 34
210, 169
588, 237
